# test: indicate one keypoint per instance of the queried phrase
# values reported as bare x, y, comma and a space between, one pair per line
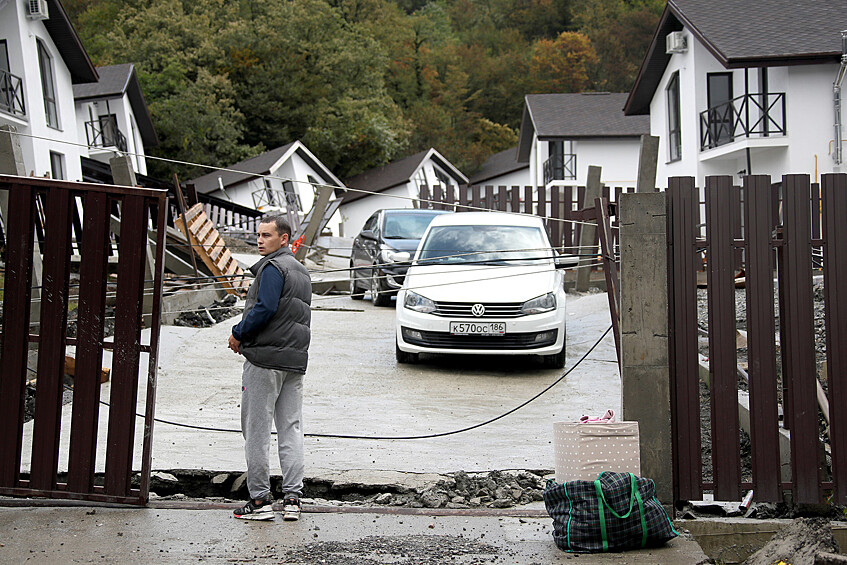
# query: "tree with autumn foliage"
561, 65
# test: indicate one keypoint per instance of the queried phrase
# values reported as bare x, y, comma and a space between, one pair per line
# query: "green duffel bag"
616, 512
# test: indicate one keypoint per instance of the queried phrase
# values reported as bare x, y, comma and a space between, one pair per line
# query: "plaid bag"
616, 512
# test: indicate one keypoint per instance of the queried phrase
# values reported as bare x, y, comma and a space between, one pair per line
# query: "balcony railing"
750, 115
105, 134
565, 171
11, 94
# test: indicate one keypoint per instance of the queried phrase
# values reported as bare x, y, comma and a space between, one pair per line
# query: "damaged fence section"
35, 318
784, 235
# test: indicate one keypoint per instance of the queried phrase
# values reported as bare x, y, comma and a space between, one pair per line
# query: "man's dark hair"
281, 223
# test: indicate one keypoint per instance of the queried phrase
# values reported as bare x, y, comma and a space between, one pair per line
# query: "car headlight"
418, 303
541, 304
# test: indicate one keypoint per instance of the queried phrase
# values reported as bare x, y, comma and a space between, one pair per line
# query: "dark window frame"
57, 162
48, 85
674, 119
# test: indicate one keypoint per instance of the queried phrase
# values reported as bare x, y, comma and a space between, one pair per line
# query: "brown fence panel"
489, 198
516, 198
502, 198
51, 347
527, 200
476, 202
61, 199
423, 198
568, 227
17, 291
90, 323
726, 462
682, 301
805, 445
761, 345
835, 301
556, 214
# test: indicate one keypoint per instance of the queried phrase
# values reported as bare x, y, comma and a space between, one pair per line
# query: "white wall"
806, 148
617, 157
515, 178
21, 35
354, 214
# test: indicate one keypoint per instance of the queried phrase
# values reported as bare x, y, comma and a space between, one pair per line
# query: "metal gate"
138, 273
779, 234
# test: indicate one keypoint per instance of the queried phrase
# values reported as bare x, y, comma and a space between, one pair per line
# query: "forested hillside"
360, 82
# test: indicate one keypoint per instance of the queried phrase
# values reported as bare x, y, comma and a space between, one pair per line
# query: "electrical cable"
313, 185
393, 438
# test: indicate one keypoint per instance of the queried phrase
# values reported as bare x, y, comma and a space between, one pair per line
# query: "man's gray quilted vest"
284, 342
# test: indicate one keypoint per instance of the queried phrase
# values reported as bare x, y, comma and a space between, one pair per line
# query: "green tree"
620, 31
562, 65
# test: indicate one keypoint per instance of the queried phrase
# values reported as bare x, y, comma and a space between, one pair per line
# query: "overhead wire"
396, 438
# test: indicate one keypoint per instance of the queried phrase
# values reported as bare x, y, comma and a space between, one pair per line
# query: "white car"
484, 283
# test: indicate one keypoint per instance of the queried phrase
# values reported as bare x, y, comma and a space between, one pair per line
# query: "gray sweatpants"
268, 394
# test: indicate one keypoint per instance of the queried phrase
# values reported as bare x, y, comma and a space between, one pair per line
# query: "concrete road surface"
354, 386
156, 535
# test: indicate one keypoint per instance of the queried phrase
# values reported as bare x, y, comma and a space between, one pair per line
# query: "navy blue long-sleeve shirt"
270, 290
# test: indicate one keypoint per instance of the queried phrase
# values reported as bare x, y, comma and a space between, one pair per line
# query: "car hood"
482, 283
410, 245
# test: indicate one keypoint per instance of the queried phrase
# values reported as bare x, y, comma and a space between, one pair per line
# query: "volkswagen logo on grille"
478, 310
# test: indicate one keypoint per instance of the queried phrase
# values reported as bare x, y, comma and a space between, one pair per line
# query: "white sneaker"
252, 511
291, 508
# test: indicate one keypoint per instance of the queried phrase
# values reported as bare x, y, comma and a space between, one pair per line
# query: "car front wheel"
555, 361
404, 356
355, 292
378, 296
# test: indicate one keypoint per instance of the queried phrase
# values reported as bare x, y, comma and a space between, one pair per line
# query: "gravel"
218, 311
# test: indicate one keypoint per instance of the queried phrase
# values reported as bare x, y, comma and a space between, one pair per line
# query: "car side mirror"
368, 234
401, 257
566, 261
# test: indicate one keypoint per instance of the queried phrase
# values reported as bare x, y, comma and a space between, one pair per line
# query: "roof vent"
676, 42
37, 10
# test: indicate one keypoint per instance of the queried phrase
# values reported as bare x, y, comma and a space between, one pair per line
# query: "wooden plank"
805, 444
91, 317
192, 212
682, 302
489, 197
516, 199
726, 456
761, 345
502, 198
15, 345
835, 300
51, 346
126, 359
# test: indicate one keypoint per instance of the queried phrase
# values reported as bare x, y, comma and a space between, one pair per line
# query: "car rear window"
406, 226
485, 244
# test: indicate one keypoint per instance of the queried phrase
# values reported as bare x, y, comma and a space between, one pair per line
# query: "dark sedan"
372, 260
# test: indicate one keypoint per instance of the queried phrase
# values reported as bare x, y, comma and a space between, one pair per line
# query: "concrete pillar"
645, 375
586, 238
648, 159
12, 163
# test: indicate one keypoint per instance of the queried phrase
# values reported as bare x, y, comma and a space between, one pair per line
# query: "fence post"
648, 158
645, 373
588, 231
12, 163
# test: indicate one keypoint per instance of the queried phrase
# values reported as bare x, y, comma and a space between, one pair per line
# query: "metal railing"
749, 115
105, 134
567, 170
11, 94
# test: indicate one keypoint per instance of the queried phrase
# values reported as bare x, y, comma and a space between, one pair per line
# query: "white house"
285, 178
502, 169
396, 185
41, 59
756, 92
113, 116
563, 134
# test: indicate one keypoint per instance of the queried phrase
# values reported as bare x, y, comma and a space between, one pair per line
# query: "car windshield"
406, 226
499, 245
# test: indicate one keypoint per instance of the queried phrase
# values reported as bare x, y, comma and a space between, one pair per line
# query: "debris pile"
798, 543
219, 311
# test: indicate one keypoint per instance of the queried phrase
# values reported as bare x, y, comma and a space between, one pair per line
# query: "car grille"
492, 310
445, 340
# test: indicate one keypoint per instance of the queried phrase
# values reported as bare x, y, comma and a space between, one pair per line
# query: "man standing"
274, 338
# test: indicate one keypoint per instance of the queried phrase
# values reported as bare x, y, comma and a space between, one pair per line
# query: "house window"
109, 130
292, 199
674, 129
57, 165
720, 115
48, 88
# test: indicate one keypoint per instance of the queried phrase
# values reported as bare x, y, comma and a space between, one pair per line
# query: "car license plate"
477, 328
